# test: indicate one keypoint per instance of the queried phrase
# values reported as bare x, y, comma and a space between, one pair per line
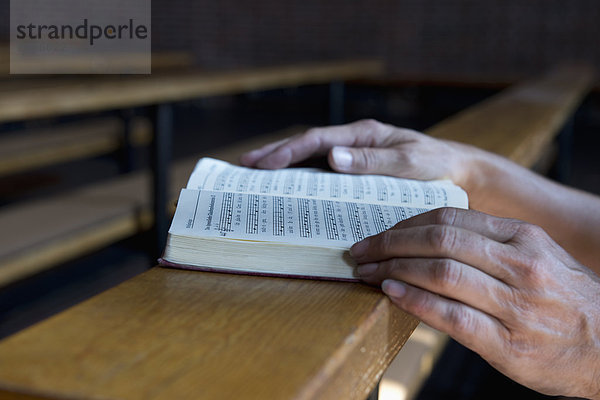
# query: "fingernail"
393, 288
366, 269
342, 158
359, 249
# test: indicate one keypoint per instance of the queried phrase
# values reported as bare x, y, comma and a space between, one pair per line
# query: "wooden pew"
183, 334
539, 107
43, 98
160, 61
29, 149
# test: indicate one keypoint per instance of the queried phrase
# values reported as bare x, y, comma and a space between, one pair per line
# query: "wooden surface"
160, 61
69, 225
27, 149
475, 80
177, 335
111, 63
520, 122
180, 334
36, 98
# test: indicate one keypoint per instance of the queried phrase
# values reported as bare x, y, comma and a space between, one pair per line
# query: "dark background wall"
416, 37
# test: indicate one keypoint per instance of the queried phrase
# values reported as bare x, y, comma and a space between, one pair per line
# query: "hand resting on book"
369, 147
503, 287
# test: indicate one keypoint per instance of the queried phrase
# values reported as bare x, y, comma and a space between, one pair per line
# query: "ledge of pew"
28, 149
160, 61
33, 98
503, 124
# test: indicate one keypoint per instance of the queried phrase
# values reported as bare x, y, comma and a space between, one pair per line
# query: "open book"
290, 222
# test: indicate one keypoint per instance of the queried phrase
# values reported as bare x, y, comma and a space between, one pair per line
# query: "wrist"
487, 178
474, 171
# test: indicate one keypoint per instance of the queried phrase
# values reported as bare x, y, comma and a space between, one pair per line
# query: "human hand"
371, 147
501, 287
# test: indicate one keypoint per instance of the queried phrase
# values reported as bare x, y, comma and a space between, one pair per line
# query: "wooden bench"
161, 61
47, 98
183, 334
23, 150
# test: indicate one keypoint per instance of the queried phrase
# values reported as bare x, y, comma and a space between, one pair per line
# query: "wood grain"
40, 98
160, 61
520, 122
182, 334
179, 334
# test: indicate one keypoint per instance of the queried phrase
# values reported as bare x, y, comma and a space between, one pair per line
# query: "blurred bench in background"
36, 148
180, 334
22, 99
161, 61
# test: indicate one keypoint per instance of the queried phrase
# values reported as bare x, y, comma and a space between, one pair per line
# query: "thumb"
364, 160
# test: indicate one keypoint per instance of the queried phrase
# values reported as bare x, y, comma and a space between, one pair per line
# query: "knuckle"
509, 225
312, 131
313, 135
370, 124
529, 260
411, 133
444, 216
442, 238
460, 319
521, 347
529, 231
535, 272
447, 275
405, 158
509, 300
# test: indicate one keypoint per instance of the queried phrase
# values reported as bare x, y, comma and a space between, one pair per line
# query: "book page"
215, 175
309, 221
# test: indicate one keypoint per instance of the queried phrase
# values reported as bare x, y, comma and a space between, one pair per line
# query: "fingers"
445, 277
437, 241
319, 141
366, 160
250, 158
495, 228
473, 328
